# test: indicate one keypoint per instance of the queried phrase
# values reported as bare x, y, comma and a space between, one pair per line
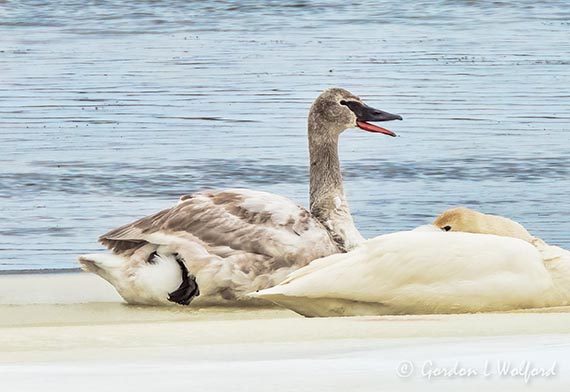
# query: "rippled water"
109, 110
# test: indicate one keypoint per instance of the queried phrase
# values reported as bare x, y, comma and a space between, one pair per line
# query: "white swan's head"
336, 110
157, 280
470, 221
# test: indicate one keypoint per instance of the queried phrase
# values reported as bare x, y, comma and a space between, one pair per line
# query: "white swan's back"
419, 272
555, 259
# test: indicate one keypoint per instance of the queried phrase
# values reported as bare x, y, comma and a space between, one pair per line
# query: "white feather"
423, 272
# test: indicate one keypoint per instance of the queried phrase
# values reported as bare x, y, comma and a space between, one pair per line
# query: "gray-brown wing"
232, 221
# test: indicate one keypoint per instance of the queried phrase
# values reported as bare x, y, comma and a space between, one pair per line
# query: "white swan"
443, 270
231, 242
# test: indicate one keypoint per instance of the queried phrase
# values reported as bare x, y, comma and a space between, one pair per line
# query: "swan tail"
96, 262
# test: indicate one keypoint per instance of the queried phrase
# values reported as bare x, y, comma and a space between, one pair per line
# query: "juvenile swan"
231, 242
441, 271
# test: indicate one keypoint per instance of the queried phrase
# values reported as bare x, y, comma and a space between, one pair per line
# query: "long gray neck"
327, 201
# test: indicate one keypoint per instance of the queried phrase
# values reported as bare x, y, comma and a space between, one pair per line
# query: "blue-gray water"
109, 110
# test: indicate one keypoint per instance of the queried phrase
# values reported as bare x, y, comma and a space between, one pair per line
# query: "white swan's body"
418, 272
228, 243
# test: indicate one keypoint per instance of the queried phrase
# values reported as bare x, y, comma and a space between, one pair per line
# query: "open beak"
365, 113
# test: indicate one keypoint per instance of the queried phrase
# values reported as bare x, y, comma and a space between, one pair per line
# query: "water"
109, 110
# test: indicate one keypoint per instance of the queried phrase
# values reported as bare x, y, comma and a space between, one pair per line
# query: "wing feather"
235, 221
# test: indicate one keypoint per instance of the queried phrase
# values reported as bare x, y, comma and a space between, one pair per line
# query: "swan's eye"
343, 102
446, 228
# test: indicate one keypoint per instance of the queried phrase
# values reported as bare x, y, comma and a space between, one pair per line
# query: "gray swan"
231, 242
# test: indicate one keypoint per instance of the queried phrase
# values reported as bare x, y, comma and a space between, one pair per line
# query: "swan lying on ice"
468, 262
228, 243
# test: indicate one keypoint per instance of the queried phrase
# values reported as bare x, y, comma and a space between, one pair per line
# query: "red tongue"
374, 128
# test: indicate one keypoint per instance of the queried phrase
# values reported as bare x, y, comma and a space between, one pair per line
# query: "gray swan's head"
337, 109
